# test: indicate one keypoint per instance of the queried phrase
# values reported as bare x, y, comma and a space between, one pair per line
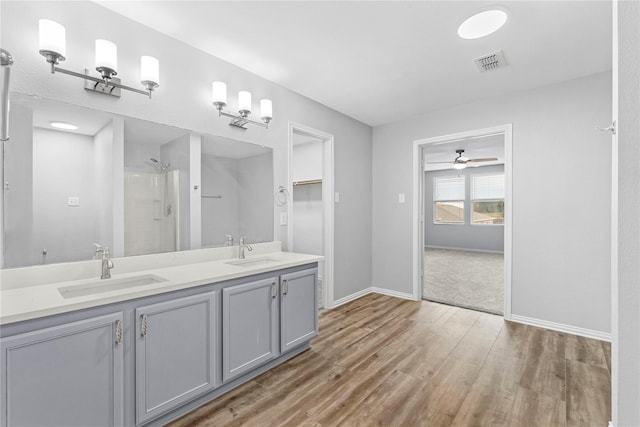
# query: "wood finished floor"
383, 361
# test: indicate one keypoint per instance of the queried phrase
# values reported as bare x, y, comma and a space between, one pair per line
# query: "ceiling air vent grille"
490, 62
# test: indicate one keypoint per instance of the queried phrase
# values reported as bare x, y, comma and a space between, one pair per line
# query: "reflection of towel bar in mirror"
212, 197
309, 182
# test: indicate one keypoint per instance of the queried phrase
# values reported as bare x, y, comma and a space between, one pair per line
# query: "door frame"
327, 202
418, 205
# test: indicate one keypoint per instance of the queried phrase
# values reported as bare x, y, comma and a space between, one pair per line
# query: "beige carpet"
465, 279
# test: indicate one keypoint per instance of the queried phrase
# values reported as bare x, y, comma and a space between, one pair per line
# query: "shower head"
162, 166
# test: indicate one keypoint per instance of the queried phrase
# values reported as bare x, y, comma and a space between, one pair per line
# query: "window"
487, 199
448, 196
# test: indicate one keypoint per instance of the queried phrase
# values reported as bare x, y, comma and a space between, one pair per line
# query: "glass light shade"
219, 92
106, 54
266, 109
482, 24
459, 165
149, 69
52, 37
244, 101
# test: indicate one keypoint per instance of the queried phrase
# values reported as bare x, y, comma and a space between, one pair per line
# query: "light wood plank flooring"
390, 362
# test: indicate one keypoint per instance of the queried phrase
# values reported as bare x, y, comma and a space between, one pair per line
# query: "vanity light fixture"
63, 125
219, 99
482, 24
53, 48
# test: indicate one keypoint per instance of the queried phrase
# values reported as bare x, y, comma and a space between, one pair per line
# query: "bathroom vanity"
149, 345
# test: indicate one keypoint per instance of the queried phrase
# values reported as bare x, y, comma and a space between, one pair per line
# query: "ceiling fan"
461, 161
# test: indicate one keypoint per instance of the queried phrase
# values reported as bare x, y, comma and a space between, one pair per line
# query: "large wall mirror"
75, 177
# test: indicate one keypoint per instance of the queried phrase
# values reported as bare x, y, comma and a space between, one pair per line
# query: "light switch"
337, 197
401, 198
73, 201
283, 218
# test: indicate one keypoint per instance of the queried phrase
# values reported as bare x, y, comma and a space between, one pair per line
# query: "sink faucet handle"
99, 251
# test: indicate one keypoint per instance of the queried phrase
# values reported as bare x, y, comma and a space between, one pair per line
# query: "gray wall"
626, 344
219, 216
561, 259
461, 236
184, 101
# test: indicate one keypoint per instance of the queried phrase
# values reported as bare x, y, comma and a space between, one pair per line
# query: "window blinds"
448, 188
487, 187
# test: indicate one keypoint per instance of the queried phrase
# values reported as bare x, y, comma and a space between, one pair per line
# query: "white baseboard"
573, 330
349, 298
371, 290
391, 293
463, 249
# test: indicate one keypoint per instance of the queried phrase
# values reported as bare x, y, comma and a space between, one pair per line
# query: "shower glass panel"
151, 212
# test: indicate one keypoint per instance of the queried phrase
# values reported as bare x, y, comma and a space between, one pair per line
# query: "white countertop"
43, 300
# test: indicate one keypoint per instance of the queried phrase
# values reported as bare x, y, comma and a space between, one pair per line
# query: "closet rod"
309, 182
212, 197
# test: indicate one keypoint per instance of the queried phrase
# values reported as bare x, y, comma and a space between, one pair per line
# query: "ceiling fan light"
457, 165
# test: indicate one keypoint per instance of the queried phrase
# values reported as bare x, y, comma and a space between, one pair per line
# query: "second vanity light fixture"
219, 99
53, 48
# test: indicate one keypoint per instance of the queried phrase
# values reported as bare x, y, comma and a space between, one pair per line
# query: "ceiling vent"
490, 62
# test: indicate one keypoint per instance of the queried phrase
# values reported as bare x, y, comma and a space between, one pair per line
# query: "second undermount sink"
253, 262
98, 286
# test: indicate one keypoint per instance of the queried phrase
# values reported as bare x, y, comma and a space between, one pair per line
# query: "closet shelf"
308, 182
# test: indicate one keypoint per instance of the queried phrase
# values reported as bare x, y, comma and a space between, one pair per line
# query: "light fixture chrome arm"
241, 120
98, 80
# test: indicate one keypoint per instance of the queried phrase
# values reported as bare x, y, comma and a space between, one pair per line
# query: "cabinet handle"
144, 325
274, 290
118, 332
285, 290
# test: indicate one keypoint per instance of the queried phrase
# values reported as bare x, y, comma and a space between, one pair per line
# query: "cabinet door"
67, 375
298, 312
249, 326
175, 353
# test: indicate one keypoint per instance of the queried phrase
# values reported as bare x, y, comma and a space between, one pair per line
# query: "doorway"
310, 212
462, 219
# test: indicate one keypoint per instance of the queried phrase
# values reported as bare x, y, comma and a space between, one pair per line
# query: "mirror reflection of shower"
166, 206
151, 207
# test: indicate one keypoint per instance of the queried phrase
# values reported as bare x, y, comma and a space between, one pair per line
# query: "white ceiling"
474, 148
381, 61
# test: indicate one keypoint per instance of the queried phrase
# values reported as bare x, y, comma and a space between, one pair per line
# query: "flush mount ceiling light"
219, 100
482, 24
63, 125
53, 48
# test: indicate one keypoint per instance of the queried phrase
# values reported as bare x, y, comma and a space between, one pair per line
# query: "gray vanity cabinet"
298, 317
66, 375
176, 353
249, 326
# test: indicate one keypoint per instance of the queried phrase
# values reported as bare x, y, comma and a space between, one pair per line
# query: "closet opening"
310, 211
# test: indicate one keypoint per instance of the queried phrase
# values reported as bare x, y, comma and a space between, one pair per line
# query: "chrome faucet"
242, 247
105, 255
229, 241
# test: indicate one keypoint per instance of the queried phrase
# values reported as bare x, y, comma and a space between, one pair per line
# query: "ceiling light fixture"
219, 100
63, 125
482, 24
53, 48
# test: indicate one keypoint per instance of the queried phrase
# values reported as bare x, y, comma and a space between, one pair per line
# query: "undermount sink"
253, 262
98, 286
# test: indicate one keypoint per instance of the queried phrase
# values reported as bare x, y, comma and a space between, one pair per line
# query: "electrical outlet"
73, 201
283, 218
401, 198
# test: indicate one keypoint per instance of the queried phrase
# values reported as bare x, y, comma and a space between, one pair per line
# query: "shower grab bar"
6, 61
